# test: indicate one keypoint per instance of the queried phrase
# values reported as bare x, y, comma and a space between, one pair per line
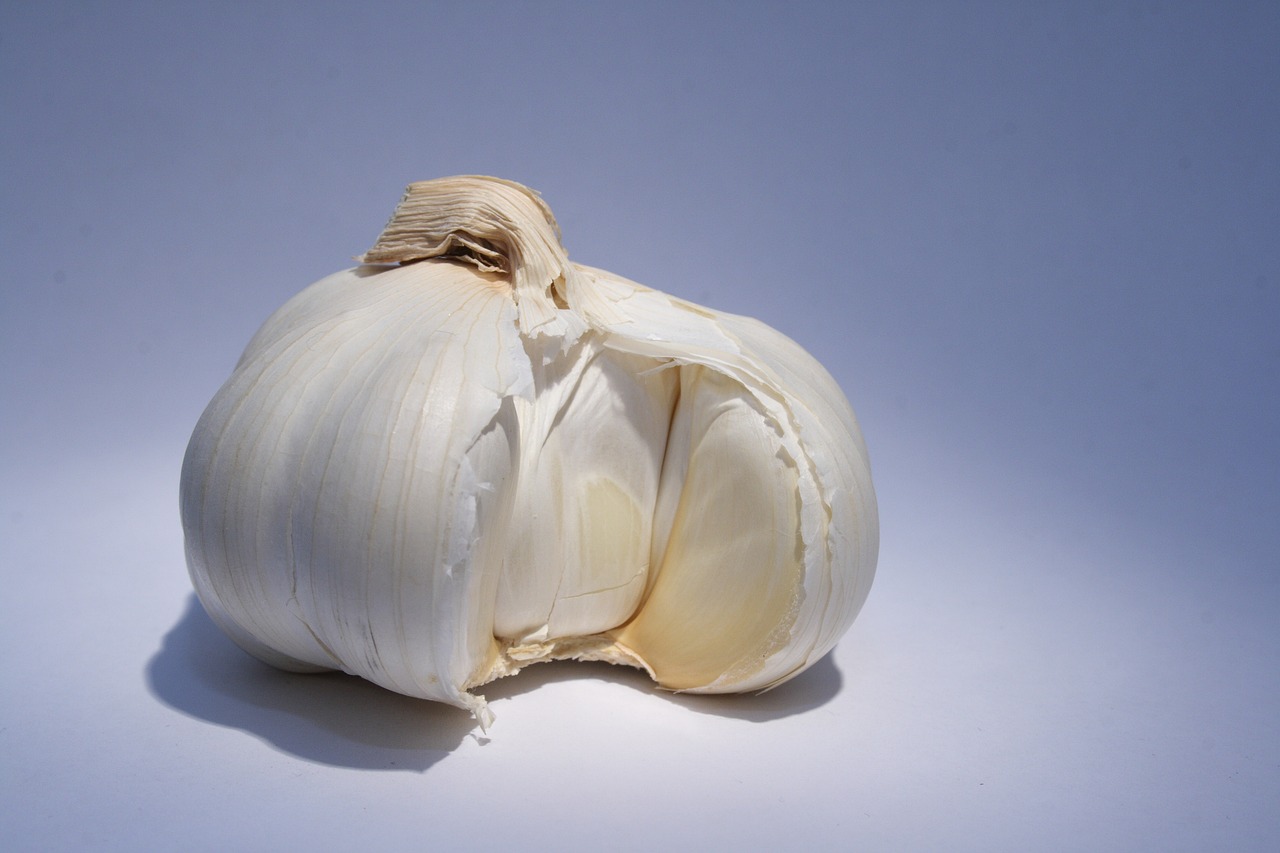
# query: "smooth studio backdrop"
1036, 244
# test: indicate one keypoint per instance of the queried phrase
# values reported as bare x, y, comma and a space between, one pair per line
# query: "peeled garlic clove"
433, 474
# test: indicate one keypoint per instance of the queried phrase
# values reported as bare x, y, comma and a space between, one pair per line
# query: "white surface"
1008, 686
1036, 248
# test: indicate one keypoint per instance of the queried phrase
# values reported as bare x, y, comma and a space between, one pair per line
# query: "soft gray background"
1037, 244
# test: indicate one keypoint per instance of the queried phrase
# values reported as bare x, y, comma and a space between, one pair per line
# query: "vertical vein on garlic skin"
321, 575
381, 346
499, 438
475, 307
387, 290
402, 414
201, 464
488, 494
445, 425
339, 326
241, 550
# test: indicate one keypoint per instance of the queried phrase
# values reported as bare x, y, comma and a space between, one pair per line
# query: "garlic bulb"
469, 454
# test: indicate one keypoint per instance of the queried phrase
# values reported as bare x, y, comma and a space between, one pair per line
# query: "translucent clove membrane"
470, 454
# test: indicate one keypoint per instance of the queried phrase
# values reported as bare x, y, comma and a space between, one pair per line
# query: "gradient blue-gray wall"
1037, 244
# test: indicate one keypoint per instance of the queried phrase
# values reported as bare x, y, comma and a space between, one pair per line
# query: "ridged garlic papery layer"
431, 475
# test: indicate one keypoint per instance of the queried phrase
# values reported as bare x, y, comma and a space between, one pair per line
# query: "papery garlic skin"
433, 474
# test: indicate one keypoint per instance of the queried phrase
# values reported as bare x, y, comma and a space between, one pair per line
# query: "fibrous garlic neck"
499, 226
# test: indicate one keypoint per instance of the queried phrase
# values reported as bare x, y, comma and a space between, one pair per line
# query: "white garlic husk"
433, 473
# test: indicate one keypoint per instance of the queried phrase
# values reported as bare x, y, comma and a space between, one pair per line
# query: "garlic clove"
593, 450
726, 590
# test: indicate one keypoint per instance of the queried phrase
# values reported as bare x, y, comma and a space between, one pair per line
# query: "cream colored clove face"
435, 473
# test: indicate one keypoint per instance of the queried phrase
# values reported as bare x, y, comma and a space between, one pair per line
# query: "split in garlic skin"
435, 473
